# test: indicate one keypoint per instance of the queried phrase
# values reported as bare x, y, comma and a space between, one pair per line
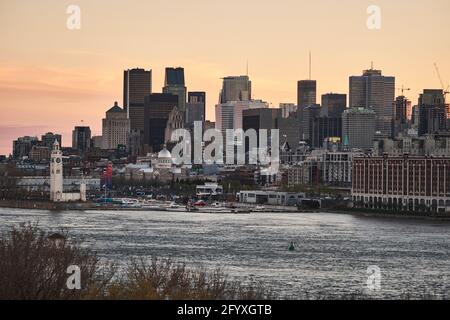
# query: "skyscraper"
433, 111
158, 107
375, 91
402, 115
81, 138
174, 84
23, 145
236, 88
137, 84
333, 104
115, 128
49, 138
358, 128
306, 93
195, 108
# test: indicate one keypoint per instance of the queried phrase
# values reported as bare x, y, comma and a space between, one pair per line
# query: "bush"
162, 279
33, 266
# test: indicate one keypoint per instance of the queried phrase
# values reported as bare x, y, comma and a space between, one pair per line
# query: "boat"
291, 247
259, 209
174, 207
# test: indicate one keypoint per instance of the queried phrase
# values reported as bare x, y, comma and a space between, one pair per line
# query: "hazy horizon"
51, 77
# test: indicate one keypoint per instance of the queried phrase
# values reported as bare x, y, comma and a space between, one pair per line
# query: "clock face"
58, 160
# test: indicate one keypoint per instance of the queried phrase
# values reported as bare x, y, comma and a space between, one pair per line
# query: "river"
333, 251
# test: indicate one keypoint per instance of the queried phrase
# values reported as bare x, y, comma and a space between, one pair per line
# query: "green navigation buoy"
291, 247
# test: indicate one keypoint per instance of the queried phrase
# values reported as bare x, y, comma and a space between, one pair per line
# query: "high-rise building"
137, 84
325, 127
402, 183
115, 127
309, 113
236, 88
306, 93
81, 138
257, 119
289, 128
23, 145
229, 115
174, 84
333, 104
375, 91
49, 138
433, 111
358, 128
158, 107
287, 109
195, 108
402, 115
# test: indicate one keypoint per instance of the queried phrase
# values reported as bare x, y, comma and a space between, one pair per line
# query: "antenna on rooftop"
310, 65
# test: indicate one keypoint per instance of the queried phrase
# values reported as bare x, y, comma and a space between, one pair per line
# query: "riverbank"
82, 206
389, 214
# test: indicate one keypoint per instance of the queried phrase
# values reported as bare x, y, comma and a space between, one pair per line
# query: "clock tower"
56, 174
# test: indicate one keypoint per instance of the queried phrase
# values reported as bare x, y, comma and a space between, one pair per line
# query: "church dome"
164, 153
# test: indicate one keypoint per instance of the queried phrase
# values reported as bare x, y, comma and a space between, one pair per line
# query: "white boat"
259, 209
174, 207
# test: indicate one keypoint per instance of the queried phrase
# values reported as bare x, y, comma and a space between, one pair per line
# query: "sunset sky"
51, 77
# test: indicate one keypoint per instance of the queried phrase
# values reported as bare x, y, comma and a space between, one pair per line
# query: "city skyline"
51, 78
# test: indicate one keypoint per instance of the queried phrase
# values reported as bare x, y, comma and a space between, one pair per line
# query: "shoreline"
78, 206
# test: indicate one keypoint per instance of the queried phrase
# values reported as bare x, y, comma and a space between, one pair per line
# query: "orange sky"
51, 78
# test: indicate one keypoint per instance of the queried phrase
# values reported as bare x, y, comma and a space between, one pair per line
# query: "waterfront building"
358, 128
57, 193
174, 83
115, 128
208, 190
402, 183
270, 197
323, 167
374, 91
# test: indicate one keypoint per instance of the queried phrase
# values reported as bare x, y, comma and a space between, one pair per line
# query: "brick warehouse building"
404, 183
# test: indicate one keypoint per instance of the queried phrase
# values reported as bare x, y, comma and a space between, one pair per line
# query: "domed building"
164, 160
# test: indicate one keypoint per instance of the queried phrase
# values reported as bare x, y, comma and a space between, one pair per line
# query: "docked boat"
223, 210
174, 207
259, 209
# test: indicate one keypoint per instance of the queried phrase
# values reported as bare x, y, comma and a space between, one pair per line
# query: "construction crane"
440, 80
403, 89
